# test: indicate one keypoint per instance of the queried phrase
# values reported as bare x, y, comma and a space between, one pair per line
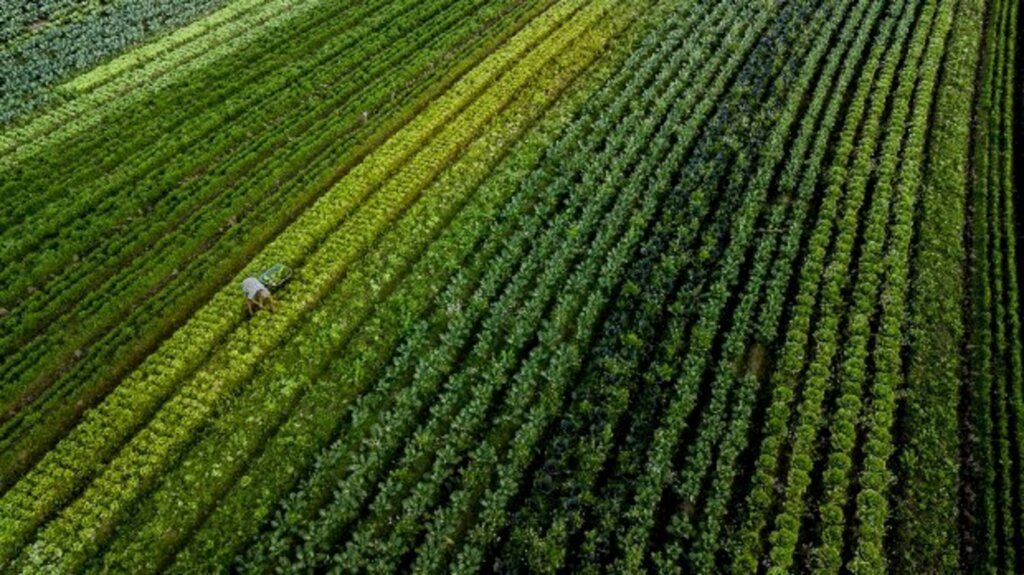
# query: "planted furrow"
49, 53
557, 535
69, 407
399, 420
479, 157
153, 188
926, 537
518, 395
742, 232
867, 296
676, 153
874, 478
824, 281
865, 285
74, 289
753, 363
307, 427
133, 278
186, 121
29, 502
496, 371
741, 362
145, 71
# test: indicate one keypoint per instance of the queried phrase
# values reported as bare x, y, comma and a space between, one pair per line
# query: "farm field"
576, 286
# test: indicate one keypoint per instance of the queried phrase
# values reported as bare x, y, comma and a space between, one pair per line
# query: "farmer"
256, 295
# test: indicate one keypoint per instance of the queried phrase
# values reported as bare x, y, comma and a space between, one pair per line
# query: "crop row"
544, 548
742, 362
191, 277
858, 314
274, 403
687, 363
24, 19
315, 418
501, 372
929, 454
717, 72
120, 165
790, 366
106, 427
308, 152
875, 477
490, 479
511, 324
45, 57
992, 466
203, 124
622, 521
800, 181
144, 71
367, 406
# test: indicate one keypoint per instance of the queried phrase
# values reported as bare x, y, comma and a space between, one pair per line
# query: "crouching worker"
256, 295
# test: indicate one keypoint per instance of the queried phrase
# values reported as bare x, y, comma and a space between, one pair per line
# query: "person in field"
256, 295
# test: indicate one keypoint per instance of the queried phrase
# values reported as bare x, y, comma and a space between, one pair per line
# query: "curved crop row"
790, 366
453, 305
780, 114
50, 482
45, 57
993, 387
929, 450
379, 448
223, 202
827, 336
188, 286
465, 174
545, 546
742, 363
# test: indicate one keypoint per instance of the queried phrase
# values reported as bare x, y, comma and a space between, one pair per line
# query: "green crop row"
753, 366
198, 118
798, 187
930, 459
875, 477
710, 36
315, 418
398, 419
566, 362
993, 387
75, 284
182, 288
211, 219
890, 194
58, 230
246, 431
690, 364
545, 546
63, 469
552, 550
495, 373
615, 519
379, 448
41, 59
828, 335
139, 74
790, 365
737, 372
23, 19
780, 112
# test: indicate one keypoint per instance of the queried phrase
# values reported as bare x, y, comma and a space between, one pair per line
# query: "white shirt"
252, 286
